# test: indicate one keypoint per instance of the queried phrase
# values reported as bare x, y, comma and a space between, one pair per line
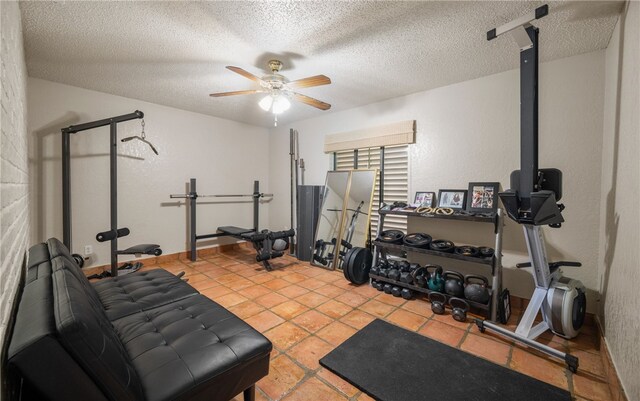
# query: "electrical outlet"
88, 249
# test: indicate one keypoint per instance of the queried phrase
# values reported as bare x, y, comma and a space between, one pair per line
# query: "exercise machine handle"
111, 234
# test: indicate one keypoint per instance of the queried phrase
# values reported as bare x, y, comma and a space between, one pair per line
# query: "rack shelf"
483, 261
380, 250
477, 305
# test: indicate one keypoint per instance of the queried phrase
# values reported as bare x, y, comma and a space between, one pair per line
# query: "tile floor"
307, 311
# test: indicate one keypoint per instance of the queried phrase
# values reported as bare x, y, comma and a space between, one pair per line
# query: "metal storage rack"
494, 262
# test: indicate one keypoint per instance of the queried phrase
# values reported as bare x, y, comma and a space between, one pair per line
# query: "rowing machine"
532, 202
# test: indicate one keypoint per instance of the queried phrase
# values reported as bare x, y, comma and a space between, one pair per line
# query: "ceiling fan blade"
309, 82
245, 74
311, 101
247, 92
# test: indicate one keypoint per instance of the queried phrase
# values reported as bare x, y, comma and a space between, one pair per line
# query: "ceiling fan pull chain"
142, 134
275, 120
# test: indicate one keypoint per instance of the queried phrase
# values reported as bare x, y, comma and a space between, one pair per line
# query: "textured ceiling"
174, 53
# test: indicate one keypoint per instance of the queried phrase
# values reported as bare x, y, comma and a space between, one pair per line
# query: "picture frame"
483, 197
424, 199
452, 198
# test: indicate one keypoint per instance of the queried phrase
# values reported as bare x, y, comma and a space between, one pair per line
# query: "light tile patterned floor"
307, 311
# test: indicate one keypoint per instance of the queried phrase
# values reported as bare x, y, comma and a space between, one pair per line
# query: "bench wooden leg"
250, 393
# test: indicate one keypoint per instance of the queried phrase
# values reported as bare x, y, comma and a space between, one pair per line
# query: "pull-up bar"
195, 195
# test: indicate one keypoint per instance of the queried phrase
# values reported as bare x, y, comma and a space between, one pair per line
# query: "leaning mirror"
355, 225
329, 222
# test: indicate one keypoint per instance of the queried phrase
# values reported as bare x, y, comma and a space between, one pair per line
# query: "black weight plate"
352, 260
417, 240
442, 245
391, 236
359, 268
345, 263
486, 252
467, 250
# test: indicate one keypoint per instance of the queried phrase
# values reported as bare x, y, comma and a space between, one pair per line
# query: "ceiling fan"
279, 89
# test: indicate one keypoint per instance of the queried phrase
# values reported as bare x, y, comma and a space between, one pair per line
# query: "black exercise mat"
393, 364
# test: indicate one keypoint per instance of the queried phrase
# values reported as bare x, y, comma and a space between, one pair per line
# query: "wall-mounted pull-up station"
268, 244
114, 232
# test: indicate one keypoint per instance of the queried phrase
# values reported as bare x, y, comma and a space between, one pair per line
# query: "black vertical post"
66, 189
381, 180
529, 120
113, 154
355, 159
193, 197
256, 205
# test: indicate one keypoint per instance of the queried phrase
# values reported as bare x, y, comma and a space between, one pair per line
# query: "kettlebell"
438, 301
459, 309
477, 288
453, 283
435, 281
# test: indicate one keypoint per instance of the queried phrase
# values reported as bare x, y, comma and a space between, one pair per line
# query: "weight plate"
360, 267
347, 261
349, 266
391, 236
417, 240
486, 252
442, 245
467, 250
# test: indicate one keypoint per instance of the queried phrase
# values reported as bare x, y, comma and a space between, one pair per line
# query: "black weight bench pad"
124, 295
65, 347
146, 249
235, 231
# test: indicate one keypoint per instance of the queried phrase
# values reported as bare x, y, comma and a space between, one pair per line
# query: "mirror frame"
334, 263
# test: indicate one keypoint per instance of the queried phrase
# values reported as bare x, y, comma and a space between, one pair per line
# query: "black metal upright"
193, 197
113, 187
113, 198
528, 120
66, 189
256, 205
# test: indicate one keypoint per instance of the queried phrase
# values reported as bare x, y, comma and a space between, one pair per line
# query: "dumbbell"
396, 291
373, 283
406, 293
406, 277
375, 270
393, 274
404, 266
382, 272
379, 285
387, 288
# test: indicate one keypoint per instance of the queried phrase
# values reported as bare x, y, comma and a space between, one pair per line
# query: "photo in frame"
483, 197
452, 198
424, 199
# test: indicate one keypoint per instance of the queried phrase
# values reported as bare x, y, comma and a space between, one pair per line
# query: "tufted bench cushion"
132, 293
189, 343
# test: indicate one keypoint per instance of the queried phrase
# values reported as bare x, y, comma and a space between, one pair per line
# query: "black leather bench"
144, 336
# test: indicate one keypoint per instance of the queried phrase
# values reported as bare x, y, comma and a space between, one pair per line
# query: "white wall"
14, 177
470, 132
619, 267
224, 156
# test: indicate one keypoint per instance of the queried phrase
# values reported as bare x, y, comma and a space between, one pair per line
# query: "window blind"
399, 133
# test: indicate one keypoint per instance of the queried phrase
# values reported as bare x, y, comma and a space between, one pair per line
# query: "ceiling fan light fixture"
266, 102
280, 105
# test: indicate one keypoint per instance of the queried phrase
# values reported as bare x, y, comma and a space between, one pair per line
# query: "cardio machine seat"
235, 231
146, 249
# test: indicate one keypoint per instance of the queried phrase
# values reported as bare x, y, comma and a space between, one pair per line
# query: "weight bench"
262, 241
